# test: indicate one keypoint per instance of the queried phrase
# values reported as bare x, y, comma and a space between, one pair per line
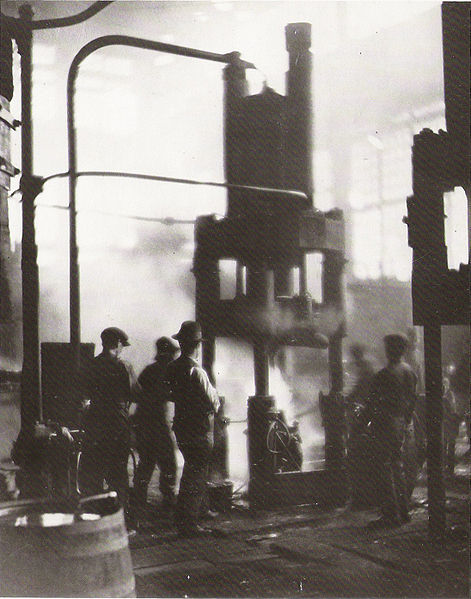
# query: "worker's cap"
189, 331
396, 343
166, 345
114, 334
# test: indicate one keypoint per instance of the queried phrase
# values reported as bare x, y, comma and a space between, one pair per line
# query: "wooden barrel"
49, 553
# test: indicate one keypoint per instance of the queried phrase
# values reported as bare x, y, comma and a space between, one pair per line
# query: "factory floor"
298, 551
306, 552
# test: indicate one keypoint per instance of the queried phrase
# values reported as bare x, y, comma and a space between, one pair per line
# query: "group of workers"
382, 403
386, 432
111, 386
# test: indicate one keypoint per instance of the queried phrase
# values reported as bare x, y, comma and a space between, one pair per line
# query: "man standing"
361, 490
196, 402
389, 409
109, 383
413, 357
356, 399
153, 435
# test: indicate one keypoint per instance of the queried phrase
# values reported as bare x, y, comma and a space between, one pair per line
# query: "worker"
459, 383
358, 455
109, 383
389, 408
196, 402
451, 426
364, 371
413, 357
154, 439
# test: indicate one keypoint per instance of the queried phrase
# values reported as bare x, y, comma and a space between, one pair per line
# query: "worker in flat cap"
109, 383
196, 402
154, 438
389, 409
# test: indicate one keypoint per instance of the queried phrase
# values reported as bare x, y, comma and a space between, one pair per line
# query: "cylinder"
261, 285
299, 173
259, 407
49, 552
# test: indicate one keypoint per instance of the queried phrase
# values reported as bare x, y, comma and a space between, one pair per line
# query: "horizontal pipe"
96, 44
265, 190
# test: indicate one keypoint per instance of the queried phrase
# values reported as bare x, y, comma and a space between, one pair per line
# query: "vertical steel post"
74, 270
434, 422
335, 411
30, 186
429, 266
261, 369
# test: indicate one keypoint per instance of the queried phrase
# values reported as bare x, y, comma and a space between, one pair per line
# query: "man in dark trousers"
109, 383
196, 402
155, 444
364, 371
389, 409
361, 490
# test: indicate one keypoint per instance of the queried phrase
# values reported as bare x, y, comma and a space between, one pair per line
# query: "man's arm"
134, 385
411, 398
208, 393
371, 400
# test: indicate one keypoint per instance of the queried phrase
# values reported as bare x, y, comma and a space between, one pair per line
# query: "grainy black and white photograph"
234, 299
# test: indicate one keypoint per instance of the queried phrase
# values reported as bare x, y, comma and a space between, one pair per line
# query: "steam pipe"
265, 190
31, 408
101, 42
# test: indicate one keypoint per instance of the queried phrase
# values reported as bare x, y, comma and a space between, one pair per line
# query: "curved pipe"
62, 21
96, 44
146, 177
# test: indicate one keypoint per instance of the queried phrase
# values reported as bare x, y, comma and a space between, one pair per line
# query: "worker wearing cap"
109, 383
196, 402
155, 444
389, 409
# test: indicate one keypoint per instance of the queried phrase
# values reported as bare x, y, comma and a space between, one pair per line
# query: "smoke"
295, 394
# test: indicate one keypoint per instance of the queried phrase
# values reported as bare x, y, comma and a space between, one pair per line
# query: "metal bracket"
8, 168
5, 115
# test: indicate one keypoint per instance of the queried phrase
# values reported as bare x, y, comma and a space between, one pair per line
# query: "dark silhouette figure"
389, 409
154, 439
361, 491
196, 402
109, 383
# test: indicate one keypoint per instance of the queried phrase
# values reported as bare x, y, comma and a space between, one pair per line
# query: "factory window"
456, 227
228, 279
380, 182
314, 276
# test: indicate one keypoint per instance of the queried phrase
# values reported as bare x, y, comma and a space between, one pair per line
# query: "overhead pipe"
232, 58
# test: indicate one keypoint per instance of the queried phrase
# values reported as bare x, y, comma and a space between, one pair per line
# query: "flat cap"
113, 333
166, 345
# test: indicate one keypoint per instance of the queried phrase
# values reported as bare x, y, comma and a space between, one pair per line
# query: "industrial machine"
269, 234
